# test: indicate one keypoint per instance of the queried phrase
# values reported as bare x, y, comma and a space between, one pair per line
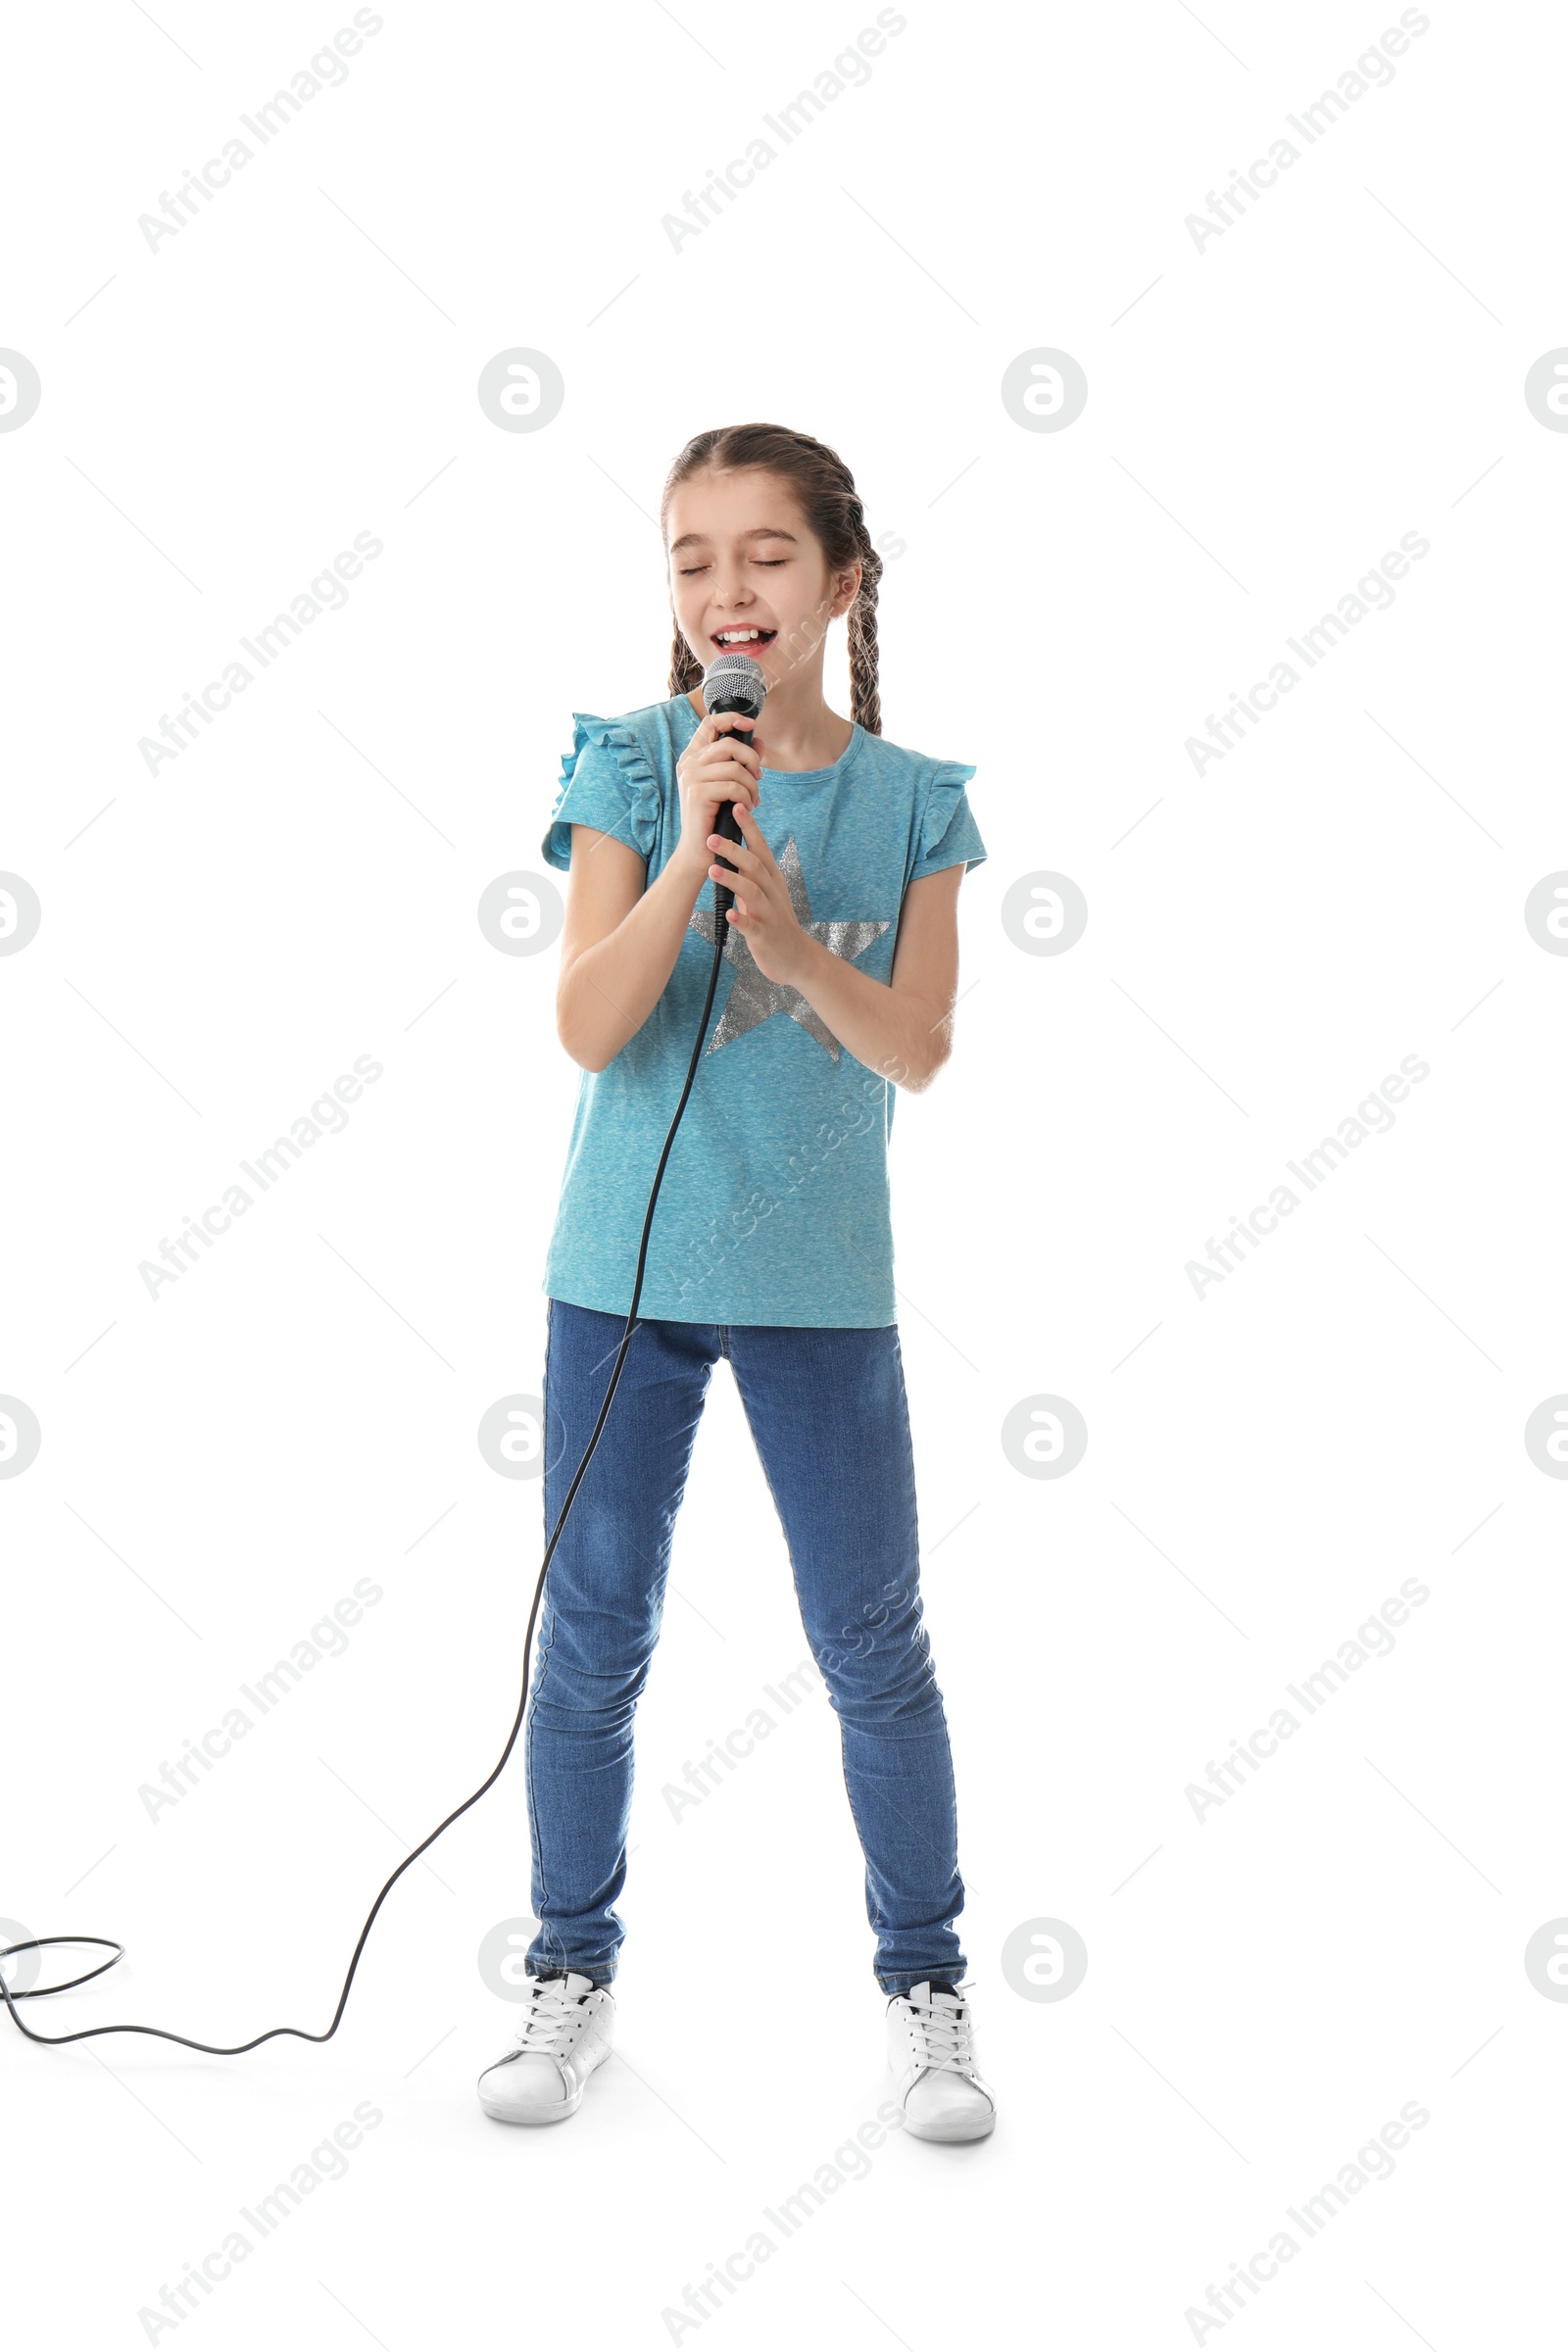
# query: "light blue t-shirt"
774, 1205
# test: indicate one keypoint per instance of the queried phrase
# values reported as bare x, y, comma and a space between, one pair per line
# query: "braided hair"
831, 505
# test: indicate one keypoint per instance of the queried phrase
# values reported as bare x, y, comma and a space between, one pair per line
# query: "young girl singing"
771, 1243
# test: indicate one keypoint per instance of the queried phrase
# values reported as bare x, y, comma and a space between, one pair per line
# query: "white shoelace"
550, 2011
944, 2037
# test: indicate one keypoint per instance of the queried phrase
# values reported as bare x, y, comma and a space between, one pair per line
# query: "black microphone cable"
723, 897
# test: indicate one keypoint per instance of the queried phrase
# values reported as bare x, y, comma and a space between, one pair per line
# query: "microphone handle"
724, 821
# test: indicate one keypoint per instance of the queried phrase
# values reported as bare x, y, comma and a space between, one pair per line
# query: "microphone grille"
735, 675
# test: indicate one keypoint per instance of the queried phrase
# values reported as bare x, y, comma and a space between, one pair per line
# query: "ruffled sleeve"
948, 834
607, 781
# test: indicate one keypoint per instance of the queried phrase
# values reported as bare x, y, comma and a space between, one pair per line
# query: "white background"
1266, 416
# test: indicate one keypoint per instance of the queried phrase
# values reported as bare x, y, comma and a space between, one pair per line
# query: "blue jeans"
828, 1415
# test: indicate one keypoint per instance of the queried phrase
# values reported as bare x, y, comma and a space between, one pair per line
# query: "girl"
771, 1243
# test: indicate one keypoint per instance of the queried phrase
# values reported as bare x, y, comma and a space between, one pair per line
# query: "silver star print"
753, 997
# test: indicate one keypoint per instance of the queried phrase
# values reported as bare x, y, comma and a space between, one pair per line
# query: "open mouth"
740, 641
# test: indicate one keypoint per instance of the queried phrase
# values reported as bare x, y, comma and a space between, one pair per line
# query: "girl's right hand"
721, 762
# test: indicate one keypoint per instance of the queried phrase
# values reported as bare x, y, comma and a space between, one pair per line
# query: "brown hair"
831, 505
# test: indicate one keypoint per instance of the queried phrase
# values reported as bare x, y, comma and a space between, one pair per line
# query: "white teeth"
736, 636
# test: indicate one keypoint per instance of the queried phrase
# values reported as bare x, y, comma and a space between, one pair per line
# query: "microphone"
734, 682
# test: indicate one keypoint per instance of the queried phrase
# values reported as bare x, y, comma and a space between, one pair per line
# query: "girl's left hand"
762, 913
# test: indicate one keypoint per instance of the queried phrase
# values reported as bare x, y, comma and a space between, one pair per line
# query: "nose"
731, 591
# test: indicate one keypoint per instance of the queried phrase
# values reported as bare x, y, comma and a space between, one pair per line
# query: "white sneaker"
931, 2051
564, 2035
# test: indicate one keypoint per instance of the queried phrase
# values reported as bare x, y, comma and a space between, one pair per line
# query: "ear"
849, 588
